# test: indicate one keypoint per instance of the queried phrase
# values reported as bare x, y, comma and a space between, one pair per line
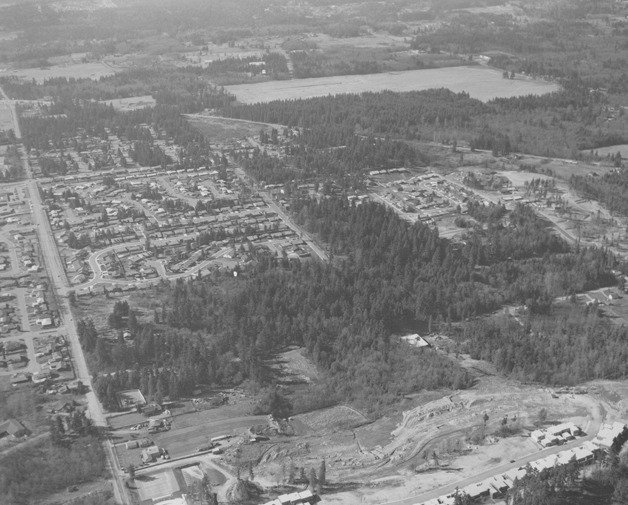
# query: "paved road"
94, 263
59, 284
285, 218
297, 229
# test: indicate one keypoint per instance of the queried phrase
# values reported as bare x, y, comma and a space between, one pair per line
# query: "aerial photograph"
300, 252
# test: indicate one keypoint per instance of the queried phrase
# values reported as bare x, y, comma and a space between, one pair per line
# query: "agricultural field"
480, 82
94, 70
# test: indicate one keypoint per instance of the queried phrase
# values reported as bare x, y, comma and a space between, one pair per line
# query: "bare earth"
480, 82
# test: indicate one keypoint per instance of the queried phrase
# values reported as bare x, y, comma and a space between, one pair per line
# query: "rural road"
59, 284
94, 263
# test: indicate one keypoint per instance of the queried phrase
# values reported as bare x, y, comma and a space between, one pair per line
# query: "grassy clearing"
293, 366
612, 150
6, 119
131, 103
377, 433
22, 404
224, 129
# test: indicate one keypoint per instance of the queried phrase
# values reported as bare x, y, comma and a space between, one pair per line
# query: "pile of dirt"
240, 490
413, 418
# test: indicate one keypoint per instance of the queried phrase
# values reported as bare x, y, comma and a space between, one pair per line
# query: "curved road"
98, 273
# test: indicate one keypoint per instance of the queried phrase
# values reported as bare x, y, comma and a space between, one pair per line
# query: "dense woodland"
307, 160
388, 277
569, 346
610, 190
606, 484
560, 123
44, 468
75, 113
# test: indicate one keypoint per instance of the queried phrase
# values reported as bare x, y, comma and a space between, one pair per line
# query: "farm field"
76, 70
480, 82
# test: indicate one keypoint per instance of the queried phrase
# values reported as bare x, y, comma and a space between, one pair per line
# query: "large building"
611, 436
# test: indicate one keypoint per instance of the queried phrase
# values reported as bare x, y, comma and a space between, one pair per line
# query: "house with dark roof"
13, 429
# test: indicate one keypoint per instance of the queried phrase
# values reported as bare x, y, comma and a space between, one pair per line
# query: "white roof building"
416, 340
609, 434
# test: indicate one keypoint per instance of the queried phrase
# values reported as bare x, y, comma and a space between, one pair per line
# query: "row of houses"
497, 485
556, 435
611, 436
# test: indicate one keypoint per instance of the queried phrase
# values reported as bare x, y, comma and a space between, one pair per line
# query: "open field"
131, 103
220, 129
612, 150
381, 39
77, 70
481, 83
6, 119
293, 366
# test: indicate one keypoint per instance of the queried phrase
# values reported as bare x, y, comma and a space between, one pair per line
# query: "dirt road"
592, 428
